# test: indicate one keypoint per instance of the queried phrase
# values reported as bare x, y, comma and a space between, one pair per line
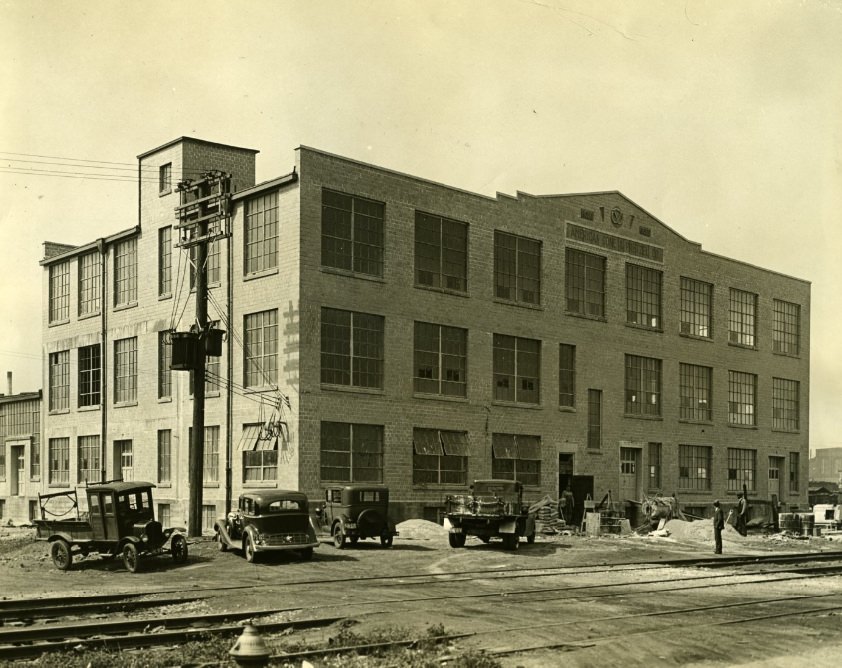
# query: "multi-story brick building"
20, 454
826, 465
420, 335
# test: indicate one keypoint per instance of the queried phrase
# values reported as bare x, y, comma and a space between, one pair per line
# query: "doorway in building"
776, 465
629, 481
565, 471
582, 488
18, 471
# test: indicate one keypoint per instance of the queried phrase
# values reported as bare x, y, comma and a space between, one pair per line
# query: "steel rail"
70, 609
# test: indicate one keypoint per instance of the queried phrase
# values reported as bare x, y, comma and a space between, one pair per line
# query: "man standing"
742, 511
565, 505
718, 526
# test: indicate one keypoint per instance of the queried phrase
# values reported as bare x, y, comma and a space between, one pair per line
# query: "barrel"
807, 522
790, 522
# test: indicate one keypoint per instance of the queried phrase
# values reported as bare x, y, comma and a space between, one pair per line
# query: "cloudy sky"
720, 118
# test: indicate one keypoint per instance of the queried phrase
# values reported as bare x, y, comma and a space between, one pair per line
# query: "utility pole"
203, 215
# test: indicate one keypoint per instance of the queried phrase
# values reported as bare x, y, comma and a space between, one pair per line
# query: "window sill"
743, 426
644, 328
512, 302
733, 344
35, 478
210, 485
258, 389
165, 400
594, 451
348, 273
440, 397
165, 296
58, 323
88, 316
125, 307
696, 337
260, 484
164, 485
125, 404
446, 291
708, 423
584, 316
353, 390
260, 274
59, 411
87, 409
440, 486
694, 492
164, 193
209, 395
515, 404
567, 409
635, 416
785, 431
59, 485
783, 354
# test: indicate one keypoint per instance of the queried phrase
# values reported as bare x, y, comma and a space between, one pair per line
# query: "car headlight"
144, 538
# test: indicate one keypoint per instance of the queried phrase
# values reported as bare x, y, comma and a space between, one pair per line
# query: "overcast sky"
722, 119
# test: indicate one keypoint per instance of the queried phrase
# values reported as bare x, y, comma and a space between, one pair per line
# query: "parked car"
268, 520
120, 520
493, 509
354, 511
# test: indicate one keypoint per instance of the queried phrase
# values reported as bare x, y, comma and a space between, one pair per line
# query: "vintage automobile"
268, 520
355, 511
493, 509
120, 520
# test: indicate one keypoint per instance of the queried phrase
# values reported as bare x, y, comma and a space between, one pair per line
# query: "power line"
101, 162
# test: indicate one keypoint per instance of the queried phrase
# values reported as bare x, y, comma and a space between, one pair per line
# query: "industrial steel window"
351, 452
694, 467
742, 469
164, 362
441, 359
439, 457
742, 317
89, 459
90, 284
566, 375
517, 268
695, 387
60, 292
210, 462
696, 307
260, 465
59, 454
742, 398
59, 380
352, 348
124, 459
165, 261
516, 457
90, 375
785, 404
643, 386
352, 233
212, 265
517, 364
643, 296
164, 456
125, 370
794, 471
594, 419
654, 465
125, 272
261, 348
786, 327
441, 252
165, 181
585, 283
261, 233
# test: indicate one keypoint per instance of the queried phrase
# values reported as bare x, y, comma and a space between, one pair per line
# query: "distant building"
382, 327
20, 454
826, 465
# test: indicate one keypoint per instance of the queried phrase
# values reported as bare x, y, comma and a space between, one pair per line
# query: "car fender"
130, 539
61, 535
507, 526
249, 529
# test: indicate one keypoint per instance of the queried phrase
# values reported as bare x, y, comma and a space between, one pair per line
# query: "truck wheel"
131, 560
60, 552
511, 541
220, 543
248, 549
179, 549
386, 540
456, 539
338, 537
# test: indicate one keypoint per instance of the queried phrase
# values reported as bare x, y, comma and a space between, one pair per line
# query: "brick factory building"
20, 453
382, 327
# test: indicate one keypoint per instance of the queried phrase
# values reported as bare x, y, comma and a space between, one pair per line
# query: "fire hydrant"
250, 650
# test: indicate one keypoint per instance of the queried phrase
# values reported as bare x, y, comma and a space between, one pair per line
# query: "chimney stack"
9, 382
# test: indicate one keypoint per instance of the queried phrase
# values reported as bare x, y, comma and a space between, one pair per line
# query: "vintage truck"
493, 509
120, 521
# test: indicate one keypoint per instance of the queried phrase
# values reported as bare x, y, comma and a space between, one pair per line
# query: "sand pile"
699, 531
420, 530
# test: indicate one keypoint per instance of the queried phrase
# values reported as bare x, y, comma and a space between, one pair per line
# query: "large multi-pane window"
125, 272
441, 252
125, 370
643, 296
210, 463
261, 348
164, 362
585, 283
88, 459
21, 419
439, 457
643, 385
352, 348
90, 284
351, 452
164, 456
212, 264
261, 233
517, 268
654, 471
695, 388
260, 454
742, 469
517, 364
165, 261
124, 459
441, 359
59, 292
59, 380
742, 398
165, 181
694, 467
594, 419
786, 327
742, 317
794, 471
352, 233
516, 457
90, 375
59, 456
696, 307
785, 404
566, 375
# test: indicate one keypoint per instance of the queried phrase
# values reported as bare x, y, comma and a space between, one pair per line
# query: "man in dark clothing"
742, 511
565, 505
718, 526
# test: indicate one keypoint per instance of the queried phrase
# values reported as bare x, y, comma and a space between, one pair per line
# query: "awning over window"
249, 437
426, 442
528, 447
503, 446
455, 443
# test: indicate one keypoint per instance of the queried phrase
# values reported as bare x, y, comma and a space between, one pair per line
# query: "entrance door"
582, 488
18, 470
21, 457
776, 465
629, 475
565, 471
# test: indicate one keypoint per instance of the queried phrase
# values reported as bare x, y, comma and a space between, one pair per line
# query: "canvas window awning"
503, 446
255, 437
426, 442
455, 443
